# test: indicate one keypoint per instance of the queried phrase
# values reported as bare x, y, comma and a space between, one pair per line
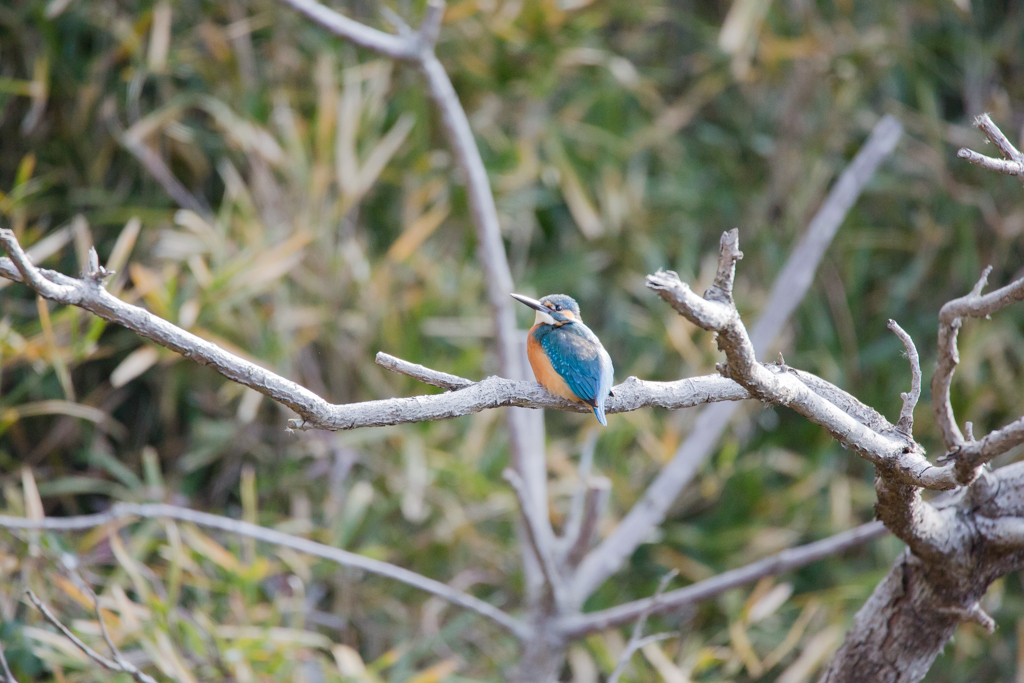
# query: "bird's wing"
576, 357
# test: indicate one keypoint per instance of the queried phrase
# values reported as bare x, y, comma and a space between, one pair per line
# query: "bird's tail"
599, 413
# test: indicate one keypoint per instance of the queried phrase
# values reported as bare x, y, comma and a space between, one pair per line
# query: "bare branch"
66, 632
29, 273
526, 446
973, 305
996, 137
1005, 166
795, 278
342, 557
1006, 533
637, 639
783, 388
360, 34
1012, 162
579, 625
973, 454
423, 374
791, 285
728, 254
525, 431
315, 412
906, 421
430, 29
123, 665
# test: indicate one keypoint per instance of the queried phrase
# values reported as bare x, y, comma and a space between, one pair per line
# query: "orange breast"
544, 371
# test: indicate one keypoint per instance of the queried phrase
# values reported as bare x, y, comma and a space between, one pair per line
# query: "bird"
567, 358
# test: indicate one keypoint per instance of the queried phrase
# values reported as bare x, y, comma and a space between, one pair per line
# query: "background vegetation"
318, 220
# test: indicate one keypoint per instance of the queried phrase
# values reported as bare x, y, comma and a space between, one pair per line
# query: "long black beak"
532, 303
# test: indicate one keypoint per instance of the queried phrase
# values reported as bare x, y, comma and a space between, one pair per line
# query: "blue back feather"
578, 357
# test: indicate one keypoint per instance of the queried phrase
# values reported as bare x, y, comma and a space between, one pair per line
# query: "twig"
1012, 162
580, 625
1005, 166
973, 305
906, 421
974, 614
729, 254
66, 632
337, 555
123, 664
423, 374
637, 640
789, 289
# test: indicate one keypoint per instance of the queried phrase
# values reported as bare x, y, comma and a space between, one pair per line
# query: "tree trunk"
542, 656
903, 626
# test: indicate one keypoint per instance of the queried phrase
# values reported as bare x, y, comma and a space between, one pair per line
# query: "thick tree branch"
342, 557
579, 625
316, 413
789, 289
903, 459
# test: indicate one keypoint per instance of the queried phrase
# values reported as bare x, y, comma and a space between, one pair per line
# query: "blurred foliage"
324, 221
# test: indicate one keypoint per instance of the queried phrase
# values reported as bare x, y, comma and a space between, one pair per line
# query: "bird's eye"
558, 308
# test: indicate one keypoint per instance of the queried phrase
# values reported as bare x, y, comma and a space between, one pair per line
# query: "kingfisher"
567, 358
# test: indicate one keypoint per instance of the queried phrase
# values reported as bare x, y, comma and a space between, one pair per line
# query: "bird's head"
553, 309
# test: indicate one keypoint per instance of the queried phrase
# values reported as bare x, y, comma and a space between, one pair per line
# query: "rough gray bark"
890, 642
954, 553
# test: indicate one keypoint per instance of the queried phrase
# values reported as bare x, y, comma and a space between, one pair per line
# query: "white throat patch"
543, 317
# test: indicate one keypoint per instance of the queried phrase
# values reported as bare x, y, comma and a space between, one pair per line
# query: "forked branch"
894, 450
1012, 162
973, 305
117, 665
